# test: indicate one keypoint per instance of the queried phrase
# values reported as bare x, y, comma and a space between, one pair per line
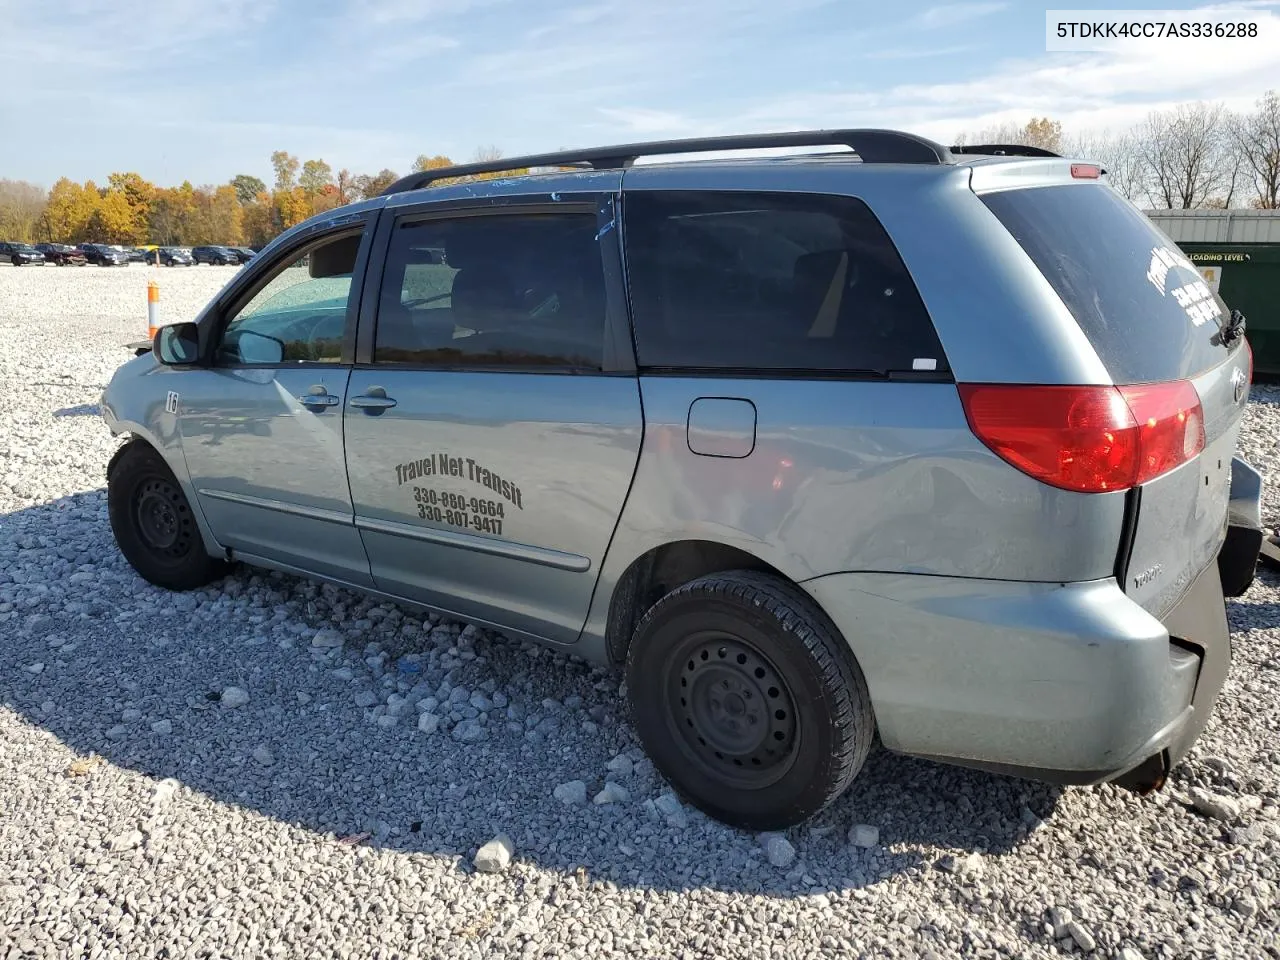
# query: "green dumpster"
1247, 277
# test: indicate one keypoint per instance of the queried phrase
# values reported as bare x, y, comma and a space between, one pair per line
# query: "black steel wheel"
748, 700
153, 523
163, 518
731, 708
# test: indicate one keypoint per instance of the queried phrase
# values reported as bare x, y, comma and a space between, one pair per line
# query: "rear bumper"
1238, 558
1071, 683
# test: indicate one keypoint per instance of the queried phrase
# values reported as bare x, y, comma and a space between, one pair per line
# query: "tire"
153, 523
792, 724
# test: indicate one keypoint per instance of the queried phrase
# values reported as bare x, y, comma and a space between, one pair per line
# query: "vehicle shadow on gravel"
115, 668
82, 410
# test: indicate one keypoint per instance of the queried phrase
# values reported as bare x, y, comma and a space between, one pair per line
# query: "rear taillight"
1089, 439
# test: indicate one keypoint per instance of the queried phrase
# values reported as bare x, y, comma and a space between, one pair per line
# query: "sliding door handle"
372, 403
374, 400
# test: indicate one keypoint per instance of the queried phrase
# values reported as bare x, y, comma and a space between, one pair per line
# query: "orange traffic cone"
153, 309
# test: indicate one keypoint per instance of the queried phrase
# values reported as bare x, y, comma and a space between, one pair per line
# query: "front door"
262, 423
494, 430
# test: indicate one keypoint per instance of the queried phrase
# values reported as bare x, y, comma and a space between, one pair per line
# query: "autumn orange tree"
130, 210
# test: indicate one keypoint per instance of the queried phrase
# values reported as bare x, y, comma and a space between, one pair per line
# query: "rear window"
771, 282
1142, 304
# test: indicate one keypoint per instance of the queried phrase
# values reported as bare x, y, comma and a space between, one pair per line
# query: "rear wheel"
153, 523
748, 700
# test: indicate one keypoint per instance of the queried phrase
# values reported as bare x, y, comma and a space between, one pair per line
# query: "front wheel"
153, 522
748, 700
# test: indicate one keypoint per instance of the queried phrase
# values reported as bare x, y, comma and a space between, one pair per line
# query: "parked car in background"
137, 255
172, 257
244, 253
21, 254
103, 255
215, 256
62, 254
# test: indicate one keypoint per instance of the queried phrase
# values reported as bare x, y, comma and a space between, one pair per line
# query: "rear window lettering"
1141, 302
770, 282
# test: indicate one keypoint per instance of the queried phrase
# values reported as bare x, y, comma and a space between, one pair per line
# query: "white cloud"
917, 53
386, 12
950, 14
1086, 92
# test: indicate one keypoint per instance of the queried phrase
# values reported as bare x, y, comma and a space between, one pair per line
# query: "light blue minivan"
935, 444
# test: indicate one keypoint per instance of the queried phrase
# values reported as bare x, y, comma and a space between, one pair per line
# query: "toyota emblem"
1237, 384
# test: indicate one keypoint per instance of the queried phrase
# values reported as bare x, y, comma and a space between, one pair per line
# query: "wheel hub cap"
735, 714
162, 517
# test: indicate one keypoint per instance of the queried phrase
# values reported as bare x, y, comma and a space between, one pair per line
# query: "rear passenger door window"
504, 292
776, 282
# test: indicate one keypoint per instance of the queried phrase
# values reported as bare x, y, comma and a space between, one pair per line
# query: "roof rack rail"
1004, 150
871, 146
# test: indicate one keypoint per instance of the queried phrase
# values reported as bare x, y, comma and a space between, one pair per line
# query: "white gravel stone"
864, 835
470, 731
130, 716
571, 793
611, 793
1059, 917
495, 856
779, 850
1215, 806
262, 753
125, 841
969, 867
36, 667
162, 727
233, 697
428, 723
327, 639
164, 790
620, 766
1081, 935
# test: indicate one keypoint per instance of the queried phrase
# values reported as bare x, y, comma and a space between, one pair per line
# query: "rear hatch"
1157, 328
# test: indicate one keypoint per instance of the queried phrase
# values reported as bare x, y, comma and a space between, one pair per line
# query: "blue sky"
206, 89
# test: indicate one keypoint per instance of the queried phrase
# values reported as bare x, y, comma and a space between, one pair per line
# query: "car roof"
863, 153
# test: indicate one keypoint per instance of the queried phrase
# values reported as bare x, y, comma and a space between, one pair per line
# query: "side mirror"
177, 345
259, 348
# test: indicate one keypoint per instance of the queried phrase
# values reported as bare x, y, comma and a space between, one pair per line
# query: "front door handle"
319, 400
374, 400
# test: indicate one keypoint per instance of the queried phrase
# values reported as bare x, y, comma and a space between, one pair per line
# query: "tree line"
131, 211
1194, 155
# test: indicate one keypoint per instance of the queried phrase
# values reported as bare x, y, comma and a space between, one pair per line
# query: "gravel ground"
269, 767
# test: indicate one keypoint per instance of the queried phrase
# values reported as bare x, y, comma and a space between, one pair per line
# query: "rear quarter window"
781, 282
1140, 301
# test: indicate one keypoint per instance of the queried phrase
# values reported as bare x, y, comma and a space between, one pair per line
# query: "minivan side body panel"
871, 475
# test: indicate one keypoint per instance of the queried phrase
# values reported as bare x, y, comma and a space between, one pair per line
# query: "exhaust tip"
1148, 776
